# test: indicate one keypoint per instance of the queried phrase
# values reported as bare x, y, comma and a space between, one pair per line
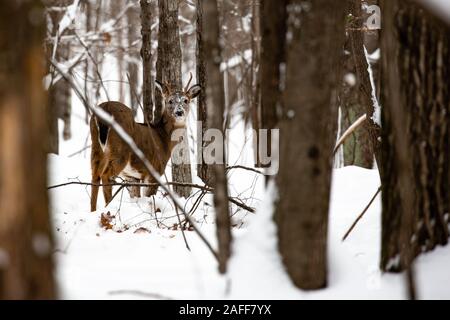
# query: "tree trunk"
203, 170
133, 14
415, 52
357, 149
59, 91
273, 35
146, 54
216, 106
116, 6
310, 116
356, 36
169, 40
25, 239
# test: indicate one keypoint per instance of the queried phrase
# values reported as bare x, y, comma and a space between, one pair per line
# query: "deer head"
176, 102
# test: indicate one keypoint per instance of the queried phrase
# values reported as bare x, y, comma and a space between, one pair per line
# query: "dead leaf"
106, 220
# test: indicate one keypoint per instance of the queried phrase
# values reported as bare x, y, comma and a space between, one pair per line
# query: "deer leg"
107, 190
150, 191
135, 191
94, 191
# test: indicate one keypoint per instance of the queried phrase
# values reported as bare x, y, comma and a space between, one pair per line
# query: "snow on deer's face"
176, 103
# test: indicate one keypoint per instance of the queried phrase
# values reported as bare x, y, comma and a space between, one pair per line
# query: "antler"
189, 82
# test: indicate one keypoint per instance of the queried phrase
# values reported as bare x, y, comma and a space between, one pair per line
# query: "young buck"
111, 157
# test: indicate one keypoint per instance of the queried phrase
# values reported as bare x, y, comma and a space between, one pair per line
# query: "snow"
376, 117
108, 264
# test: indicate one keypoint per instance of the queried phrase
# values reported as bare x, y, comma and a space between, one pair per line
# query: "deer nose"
179, 113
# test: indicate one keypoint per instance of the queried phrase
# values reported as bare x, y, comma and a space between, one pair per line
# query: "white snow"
376, 117
155, 264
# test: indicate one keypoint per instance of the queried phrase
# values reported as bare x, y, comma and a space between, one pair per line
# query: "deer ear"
161, 87
194, 91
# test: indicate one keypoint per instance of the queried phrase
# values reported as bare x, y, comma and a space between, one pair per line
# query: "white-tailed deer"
111, 157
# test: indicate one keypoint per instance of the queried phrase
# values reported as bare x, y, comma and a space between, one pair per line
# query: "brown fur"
153, 140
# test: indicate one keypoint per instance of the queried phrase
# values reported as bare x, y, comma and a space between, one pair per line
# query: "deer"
112, 158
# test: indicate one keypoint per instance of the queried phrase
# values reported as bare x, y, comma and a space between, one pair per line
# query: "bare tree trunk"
133, 56
273, 50
355, 31
59, 91
357, 149
26, 268
203, 170
116, 6
310, 116
416, 99
216, 106
169, 40
146, 54
88, 27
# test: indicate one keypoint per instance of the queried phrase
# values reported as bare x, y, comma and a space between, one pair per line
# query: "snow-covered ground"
143, 257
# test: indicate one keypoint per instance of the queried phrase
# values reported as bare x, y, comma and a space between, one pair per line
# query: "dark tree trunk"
169, 40
273, 35
273, 50
203, 170
356, 37
146, 54
357, 149
133, 56
25, 237
415, 54
59, 91
216, 106
310, 116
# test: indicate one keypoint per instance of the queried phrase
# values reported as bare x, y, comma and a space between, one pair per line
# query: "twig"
138, 184
349, 131
361, 215
244, 168
140, 293
79, 151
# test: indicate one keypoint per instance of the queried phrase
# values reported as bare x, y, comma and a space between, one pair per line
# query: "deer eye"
170, 101
185, 101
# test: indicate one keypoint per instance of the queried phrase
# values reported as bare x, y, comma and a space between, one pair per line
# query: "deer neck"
167, 127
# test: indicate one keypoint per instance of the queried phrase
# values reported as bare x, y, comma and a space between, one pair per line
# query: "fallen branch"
139, 184
361, 215
349, 131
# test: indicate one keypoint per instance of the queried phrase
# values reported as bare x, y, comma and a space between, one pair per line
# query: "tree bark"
273, 49
25, 238
203, 170
310, 115
212, 51
355, 31
415, 51
59, 91
357, 149
133, 15
146, 54
169, 40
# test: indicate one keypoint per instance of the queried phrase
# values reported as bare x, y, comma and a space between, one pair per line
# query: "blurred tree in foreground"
25, 238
